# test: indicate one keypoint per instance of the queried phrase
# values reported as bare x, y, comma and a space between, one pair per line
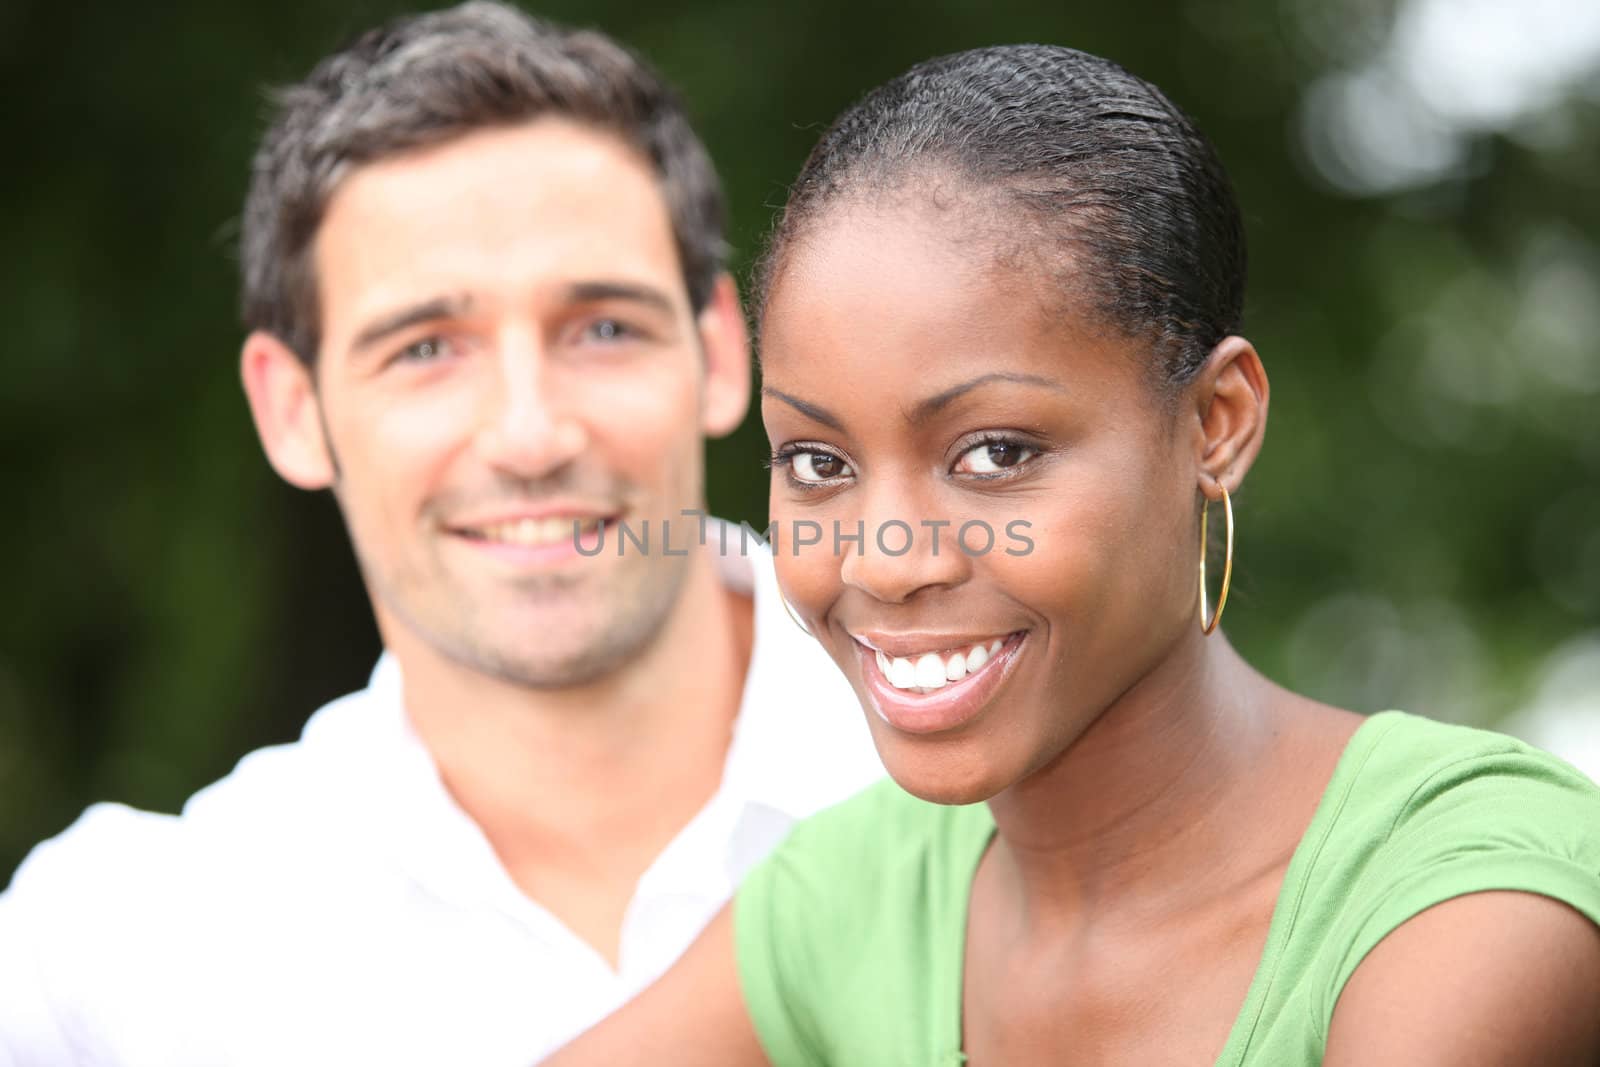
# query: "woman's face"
914, 385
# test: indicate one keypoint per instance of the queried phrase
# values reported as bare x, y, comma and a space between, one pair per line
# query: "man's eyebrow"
809, 410
925, 409
586, 292
439, 307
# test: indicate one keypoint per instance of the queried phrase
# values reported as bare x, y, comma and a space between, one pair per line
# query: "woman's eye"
993, 457
817, 467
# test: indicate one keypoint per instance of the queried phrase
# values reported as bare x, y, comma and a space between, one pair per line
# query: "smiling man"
482, 275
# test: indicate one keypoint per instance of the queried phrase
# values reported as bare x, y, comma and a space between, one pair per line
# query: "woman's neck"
1165, 795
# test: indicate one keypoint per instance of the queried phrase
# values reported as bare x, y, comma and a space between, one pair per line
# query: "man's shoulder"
89, 916
86, 906
306, 778
801, 730
271, 794
106, 846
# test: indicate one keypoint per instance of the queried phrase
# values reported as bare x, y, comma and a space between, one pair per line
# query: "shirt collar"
800, 741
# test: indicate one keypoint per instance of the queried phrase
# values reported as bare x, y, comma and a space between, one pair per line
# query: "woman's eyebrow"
925, 409
809, 410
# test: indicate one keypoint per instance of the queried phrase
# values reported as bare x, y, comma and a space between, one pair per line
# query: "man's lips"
533, 532
539, 528
555, 508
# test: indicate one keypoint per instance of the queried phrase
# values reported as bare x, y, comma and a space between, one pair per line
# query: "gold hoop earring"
1227, 566
790, 612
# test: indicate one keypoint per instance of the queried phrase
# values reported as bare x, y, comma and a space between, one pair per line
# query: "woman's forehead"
917, 277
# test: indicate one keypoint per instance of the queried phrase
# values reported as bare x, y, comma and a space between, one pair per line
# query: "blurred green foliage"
1422, 530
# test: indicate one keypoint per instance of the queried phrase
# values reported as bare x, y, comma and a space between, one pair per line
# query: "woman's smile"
924, 683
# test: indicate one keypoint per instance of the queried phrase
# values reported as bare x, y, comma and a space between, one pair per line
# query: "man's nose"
528, 429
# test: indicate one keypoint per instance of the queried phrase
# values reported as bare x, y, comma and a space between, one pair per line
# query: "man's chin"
561, 652
554, 669
562, 634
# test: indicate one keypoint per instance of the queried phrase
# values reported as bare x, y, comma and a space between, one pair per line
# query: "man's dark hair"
1080, 156
424, 79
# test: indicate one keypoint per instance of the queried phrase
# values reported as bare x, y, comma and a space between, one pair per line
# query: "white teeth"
930, 671
535, 532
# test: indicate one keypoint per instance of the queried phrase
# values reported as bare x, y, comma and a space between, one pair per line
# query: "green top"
850, 936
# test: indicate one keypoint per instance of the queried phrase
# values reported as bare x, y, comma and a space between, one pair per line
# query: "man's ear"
283, 401
726, 342
1231, 404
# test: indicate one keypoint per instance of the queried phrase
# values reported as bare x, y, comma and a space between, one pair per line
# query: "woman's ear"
1231, 404
283, 402
726, 343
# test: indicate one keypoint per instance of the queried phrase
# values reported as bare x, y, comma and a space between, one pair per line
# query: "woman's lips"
945, 708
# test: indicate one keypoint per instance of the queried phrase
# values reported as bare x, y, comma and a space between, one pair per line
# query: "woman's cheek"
807, 573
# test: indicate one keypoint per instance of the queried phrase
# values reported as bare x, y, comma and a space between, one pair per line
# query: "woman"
1005, 295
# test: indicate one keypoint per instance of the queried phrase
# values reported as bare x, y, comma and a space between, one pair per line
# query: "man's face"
509, 354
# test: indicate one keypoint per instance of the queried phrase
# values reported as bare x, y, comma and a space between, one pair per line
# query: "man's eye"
608, 330
817, 467
424, 351
993, 457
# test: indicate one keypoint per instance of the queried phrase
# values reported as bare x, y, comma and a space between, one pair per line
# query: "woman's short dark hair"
425, 79
1084, 157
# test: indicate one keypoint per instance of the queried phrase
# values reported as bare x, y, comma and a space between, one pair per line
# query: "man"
482, 273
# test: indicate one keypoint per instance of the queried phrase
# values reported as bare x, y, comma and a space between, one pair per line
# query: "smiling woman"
1007, 288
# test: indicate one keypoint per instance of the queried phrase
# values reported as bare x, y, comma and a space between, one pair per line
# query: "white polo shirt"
329, 903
